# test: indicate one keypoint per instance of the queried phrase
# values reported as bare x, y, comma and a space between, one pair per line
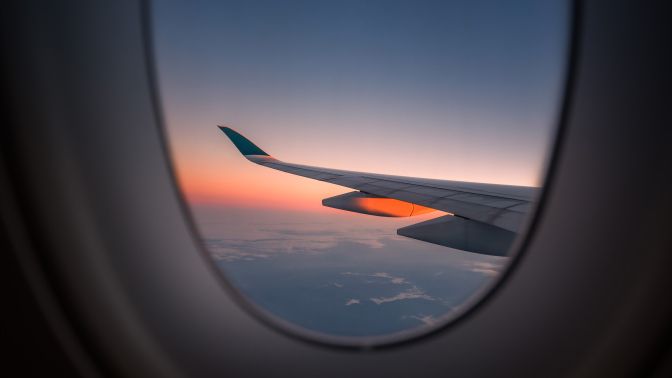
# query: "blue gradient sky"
441, 89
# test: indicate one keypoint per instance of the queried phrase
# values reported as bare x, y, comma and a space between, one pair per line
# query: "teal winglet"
243, 144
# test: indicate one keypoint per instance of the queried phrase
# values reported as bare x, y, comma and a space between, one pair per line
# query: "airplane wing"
489, 211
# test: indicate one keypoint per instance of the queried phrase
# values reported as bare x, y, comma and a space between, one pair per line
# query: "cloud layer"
303, 238
412, 293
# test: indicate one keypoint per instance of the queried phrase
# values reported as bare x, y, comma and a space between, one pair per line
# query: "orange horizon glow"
253, 202
254, 187
215, 173
247, 185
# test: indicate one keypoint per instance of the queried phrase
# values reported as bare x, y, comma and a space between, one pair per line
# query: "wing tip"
244, 145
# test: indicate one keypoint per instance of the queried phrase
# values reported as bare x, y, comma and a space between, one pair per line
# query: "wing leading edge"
501, 207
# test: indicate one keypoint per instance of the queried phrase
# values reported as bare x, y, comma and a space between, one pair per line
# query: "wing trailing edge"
463, 234
488, 216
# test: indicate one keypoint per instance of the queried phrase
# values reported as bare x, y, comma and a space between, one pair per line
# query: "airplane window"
360, 171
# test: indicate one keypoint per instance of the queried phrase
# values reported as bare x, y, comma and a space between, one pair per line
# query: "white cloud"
352, 301
305, 238
429, 319
487, 268
413, 293
487, 272
396, 280
486, 265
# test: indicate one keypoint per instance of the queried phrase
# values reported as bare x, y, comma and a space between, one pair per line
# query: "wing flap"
462, 234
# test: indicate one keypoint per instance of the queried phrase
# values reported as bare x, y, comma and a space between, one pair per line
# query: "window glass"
466, 91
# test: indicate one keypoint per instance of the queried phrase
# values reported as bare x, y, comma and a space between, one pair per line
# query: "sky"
465, 91
455, 90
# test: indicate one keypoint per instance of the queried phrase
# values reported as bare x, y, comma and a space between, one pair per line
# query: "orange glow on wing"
419, 210
389, 207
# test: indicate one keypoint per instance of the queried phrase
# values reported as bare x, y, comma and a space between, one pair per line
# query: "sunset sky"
450, 90
465, 91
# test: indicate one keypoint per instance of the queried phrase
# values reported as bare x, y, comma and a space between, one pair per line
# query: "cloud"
486, 268
237, 249
395, 280
305, 238
487, 272
486, 265
413, 293
302, 232
352, 301
429, 319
